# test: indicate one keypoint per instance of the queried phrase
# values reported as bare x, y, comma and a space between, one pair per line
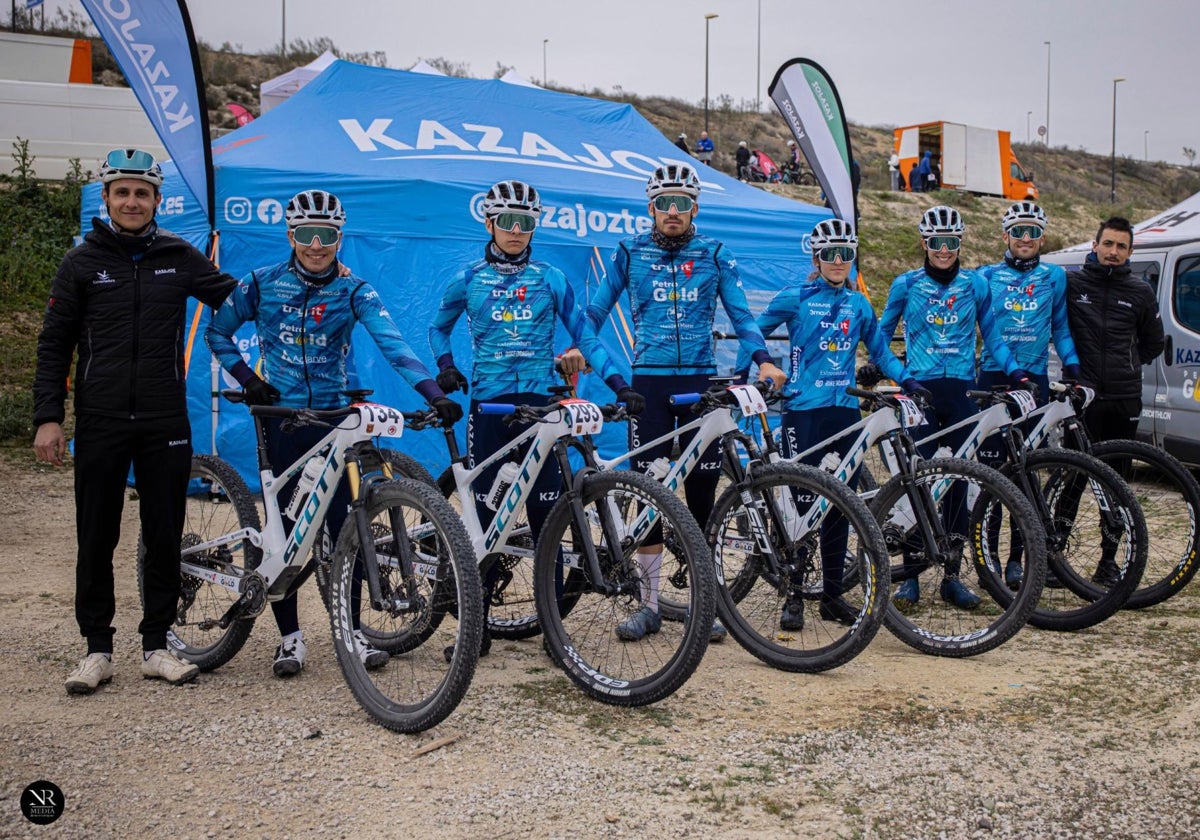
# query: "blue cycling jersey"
673, 300
511, 318
940, 321
825, 325
304, 335
1030, 309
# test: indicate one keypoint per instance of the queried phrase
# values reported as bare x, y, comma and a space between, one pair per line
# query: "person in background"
118, 301
894, 171
915, 184
826, 320
674, 277
743, 161
304, 310
943, 305
682, 143
704, 148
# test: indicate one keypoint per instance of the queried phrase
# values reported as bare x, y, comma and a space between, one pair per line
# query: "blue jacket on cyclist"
1029, 299
305, 310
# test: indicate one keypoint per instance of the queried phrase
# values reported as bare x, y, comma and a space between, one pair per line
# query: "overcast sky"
894, 62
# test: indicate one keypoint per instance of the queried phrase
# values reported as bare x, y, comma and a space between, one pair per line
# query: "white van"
1166, 254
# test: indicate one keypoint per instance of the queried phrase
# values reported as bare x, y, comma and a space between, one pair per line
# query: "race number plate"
910, 414
1024, 403
584, 417
381, 420
750, 400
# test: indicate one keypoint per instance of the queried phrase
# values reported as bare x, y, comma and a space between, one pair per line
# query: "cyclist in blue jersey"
943, 305
304, 310
826, 319
673, 278
513, 304
1029, 300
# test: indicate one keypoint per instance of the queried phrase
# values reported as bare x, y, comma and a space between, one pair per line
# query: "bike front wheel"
773, 569
585, 618
218, 503
929, 610
1096, 540
426, 574
1170, 500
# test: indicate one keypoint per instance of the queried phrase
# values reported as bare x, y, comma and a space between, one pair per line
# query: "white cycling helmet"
512, 197
131, 163
673, 178
941, 221
1023, 213
314, 207
831, 232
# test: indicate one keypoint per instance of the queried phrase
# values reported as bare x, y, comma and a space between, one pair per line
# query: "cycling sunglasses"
515, 221
950, 243
831, 253
130, 160
315, 234
1022, 231
682, 203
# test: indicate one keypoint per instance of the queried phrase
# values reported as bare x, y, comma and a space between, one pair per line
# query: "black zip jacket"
121, 305
1116, 326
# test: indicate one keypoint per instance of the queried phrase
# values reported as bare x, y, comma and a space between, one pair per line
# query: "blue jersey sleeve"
992, 337
454, 303
733, 298
372, 314
894, 309
878, 348
580, 328
616, 280
1060, 329
782, 309
241, 306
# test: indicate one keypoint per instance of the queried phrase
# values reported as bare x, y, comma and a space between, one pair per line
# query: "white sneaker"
93, 670
290, 656
163, 664
371, 656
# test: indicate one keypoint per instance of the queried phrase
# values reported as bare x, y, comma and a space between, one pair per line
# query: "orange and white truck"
977, 160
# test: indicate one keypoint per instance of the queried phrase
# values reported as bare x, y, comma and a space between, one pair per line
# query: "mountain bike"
586, 576
765, 533
415, 556
933, 515
1086, 510
1166, 490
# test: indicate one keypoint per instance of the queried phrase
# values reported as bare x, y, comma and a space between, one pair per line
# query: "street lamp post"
545, 41
708, 17
1047, 43
283, 29
1113, 195
1146, 145
757, 64
1028, 114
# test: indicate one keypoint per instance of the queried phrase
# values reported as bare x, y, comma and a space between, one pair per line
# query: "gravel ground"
1050, 736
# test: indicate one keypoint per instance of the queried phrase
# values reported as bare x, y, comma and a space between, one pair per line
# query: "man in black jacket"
119, 301
1115, 322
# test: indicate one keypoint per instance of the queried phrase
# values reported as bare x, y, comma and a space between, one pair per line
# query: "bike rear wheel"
975, 495
582, 636
218, 503
1093, 524
417, 688
1170, 500
753, 591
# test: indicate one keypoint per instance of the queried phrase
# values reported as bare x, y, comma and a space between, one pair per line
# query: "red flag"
241, 114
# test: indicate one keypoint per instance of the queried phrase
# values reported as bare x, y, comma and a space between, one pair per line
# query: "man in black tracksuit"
1115, 322
119, 301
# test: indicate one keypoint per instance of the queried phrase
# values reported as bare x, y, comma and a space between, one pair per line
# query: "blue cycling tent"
411, 155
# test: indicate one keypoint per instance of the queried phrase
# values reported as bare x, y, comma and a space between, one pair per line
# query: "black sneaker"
485, 647
792, 617
836, 609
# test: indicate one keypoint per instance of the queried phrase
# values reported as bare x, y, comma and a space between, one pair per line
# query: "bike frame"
285, 552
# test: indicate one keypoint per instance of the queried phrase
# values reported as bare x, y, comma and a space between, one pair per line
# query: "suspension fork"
359, 495
573, 483
920, 499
